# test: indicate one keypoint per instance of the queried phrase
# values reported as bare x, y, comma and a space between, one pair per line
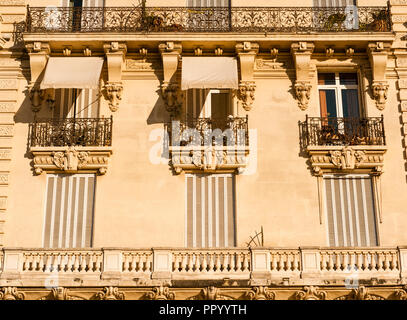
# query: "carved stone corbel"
210, 293
378, 53
114, 92
161, 293
302, 52
247, 52
172, 96
171, 93
60, 294
11, 293
116, 56
261, 293
110, 293
310, 293
38, 53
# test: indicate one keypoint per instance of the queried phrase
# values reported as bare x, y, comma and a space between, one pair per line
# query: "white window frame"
338, 87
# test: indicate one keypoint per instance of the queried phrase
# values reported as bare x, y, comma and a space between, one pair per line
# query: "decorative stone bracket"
71, 159
116, 56
38, 53
171, 93
378, 53
209, 159
348, 159
247, 52
302, 52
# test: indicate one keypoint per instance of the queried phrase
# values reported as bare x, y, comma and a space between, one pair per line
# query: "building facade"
207, 150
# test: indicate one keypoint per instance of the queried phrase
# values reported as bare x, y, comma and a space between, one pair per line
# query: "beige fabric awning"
209, 73
72, 72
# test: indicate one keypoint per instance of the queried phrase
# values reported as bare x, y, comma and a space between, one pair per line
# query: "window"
208, 3
350, 210
339, 95
210, 210
69, 208
76, 103
334, 3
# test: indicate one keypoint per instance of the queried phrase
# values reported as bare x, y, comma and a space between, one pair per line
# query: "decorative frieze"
71, 159
8, 84
261, 293
60, 293
7, 106
110, 293
362, 293
6, 130
310, 293
12, 3
209, 158
13, 18
160, 293
142, 65
210, 293
11, 293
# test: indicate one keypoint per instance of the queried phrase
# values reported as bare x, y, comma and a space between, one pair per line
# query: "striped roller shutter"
85, 3
334, 3
87, 103
210, 211
350, 209
195, 103
69, 211
207, 3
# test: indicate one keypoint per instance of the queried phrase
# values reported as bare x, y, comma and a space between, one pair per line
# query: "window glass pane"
326, 78
328, 103
348, 78
350, 103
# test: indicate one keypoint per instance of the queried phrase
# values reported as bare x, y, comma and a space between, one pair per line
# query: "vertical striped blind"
334, 3
207, 3
350, 210
69, 211
87, 103
85, 3
210, 211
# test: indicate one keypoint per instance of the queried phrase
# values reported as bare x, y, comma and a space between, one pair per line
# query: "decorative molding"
6, 130
12, 18
71, 159
114, 91
310, 293
378, 53
110, 293
362, 293
60, 293
142, 65
210, 293
8, 84
328, 159
5, 154
173, 97
246, 94
401, 294
209, 158
8, 106
301, 53
12, 3
268, 65
11, 293
261, 293
161, 293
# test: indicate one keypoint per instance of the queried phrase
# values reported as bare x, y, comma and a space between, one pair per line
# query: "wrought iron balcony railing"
342, 131
214, 19
87, 132
201, 132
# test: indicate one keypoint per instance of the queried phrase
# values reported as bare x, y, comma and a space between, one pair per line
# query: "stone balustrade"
255, 266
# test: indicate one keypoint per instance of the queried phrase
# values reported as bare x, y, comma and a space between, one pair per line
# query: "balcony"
247, 266
344, 143
183, 19
70, 145
209, 144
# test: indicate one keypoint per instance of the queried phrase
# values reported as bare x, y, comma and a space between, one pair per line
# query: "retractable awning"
209, 73
72, 72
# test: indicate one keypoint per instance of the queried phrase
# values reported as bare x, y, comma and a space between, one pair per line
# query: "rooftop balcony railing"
319, 264
86, 132
332, 131
214, 19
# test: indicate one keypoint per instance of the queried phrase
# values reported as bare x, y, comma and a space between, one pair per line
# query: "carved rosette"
362, 293
209, 158
71, 159
60, 293
210, 293
172, 96
310, 293
246, 94
114, 95
110, 293
161, 293
380, 90
11, 293
260, 293
303, 93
